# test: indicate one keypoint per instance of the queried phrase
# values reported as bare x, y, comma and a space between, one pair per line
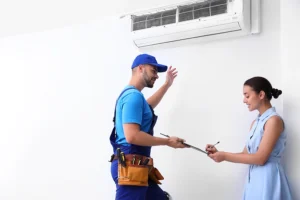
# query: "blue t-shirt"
132, 107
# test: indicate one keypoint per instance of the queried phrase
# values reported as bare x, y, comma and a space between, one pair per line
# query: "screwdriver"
146, 161
120, 157
139, 162
123, 160
119, 154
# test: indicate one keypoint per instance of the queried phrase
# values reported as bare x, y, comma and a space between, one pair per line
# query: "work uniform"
267, 182
132, 107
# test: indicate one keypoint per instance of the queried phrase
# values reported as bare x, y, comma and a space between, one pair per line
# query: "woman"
265, 144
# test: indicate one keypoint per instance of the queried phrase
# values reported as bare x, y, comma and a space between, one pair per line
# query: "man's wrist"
165, 141
166, 85
161, 141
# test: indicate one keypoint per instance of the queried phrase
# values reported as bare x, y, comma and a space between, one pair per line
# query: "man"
133, 133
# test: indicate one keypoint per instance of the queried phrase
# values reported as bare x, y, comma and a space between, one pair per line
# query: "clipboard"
193, 147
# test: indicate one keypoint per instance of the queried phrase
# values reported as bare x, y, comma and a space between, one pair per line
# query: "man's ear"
140, 68
262, 94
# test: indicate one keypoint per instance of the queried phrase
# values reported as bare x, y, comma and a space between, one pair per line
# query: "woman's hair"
262, 84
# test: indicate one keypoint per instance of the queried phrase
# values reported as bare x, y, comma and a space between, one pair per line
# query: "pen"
214, 144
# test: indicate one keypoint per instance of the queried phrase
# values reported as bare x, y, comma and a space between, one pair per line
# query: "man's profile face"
149, 75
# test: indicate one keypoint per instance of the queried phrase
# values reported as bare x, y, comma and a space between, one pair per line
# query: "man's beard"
149, 82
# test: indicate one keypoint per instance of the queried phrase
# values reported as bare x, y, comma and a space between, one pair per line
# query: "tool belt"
136, 170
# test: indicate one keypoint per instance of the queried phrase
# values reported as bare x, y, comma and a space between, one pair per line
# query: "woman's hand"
218, 156
211, 149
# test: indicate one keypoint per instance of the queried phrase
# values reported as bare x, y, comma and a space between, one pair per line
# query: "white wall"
57, 96
58, 90
290, 42
19, 17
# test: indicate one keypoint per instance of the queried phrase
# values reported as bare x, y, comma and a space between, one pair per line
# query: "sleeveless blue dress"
267, 182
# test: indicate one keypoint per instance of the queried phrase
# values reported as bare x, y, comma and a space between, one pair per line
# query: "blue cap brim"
160, 68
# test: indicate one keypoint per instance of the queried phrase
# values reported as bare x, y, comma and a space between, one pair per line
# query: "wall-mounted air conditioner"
195, 20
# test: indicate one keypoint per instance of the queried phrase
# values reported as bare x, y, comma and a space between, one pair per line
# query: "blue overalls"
151, 192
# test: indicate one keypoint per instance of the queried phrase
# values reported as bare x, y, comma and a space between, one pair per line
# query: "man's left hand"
171, 75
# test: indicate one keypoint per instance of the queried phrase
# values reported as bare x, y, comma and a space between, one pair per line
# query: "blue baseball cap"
146, 59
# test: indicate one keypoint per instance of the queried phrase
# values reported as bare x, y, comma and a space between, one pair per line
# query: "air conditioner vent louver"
203, 9
185, 13
194, 21
152, 20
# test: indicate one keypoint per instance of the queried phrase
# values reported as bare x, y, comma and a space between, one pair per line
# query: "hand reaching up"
171, 75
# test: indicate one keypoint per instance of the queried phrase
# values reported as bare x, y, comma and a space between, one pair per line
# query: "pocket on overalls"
136, 175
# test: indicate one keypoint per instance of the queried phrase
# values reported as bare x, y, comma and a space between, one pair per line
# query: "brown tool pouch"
137, 174
133, 174
155, 175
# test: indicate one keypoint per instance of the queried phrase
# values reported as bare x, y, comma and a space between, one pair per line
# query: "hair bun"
276, 93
